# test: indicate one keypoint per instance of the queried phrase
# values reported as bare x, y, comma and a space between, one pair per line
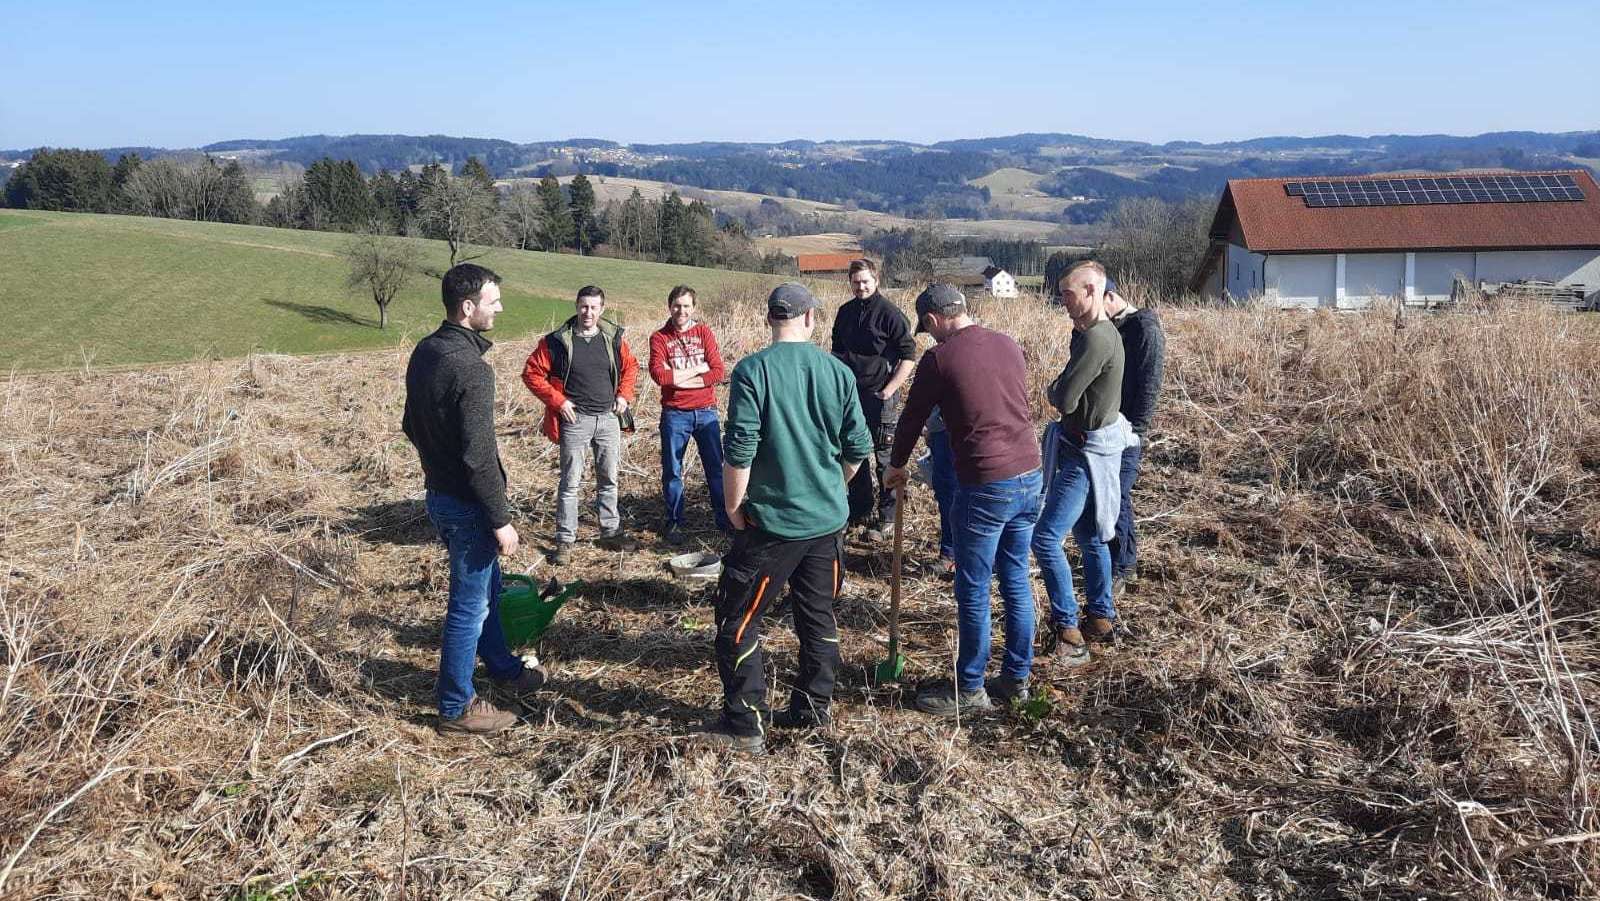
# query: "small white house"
1341, 242
999, 282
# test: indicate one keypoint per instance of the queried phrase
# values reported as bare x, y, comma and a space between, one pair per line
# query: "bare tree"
158, 188
462, 213
381, 265
524, 216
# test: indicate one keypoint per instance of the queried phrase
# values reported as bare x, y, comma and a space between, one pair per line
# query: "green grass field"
79, 289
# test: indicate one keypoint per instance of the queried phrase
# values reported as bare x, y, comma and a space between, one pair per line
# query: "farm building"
962, 271
999, 282
1341, 242
824, 263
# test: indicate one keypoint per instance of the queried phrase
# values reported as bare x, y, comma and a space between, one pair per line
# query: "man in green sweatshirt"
795, 437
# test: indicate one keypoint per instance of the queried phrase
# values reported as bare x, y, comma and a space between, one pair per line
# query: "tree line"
465, 209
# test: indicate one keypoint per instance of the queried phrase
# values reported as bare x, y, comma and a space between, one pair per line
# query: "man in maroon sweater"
685, 362
977, 379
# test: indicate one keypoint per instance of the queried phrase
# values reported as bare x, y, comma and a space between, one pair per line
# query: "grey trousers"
603, 435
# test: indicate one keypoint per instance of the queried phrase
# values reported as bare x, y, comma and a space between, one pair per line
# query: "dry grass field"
1361, 663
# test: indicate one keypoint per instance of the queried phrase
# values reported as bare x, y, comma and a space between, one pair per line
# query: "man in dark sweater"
795, 436
449, 416
872, 337
1088, 395
1144, 347
979, 382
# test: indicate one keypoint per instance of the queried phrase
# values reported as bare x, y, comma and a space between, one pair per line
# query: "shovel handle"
894, 584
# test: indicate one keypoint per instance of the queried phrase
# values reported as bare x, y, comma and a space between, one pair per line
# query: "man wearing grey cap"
795, 437
979, 382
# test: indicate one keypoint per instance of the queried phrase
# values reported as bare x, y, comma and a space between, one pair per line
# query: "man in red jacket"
585, 374
685, 362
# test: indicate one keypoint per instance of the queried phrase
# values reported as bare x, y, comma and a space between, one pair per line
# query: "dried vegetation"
1362, 662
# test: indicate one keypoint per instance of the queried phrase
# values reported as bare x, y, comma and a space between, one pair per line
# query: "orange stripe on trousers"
754, 603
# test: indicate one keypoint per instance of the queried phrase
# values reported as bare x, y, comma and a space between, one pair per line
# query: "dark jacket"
1144, 347
871, 336
450, 418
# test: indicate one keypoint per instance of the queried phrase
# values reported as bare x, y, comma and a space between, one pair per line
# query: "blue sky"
186, 74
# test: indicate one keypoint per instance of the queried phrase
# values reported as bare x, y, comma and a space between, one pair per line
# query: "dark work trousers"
882, 417
1124, 547
754, 573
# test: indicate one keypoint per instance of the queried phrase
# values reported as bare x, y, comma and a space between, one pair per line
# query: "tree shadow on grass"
403, 522
321, 314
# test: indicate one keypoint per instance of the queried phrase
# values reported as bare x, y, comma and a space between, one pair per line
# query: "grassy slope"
138, 290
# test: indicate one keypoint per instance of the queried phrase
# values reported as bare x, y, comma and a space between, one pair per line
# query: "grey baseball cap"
789, 300
940, 298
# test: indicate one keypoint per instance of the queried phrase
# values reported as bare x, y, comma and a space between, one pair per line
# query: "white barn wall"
1301, 280
1436, 274
1566, 266
1242, 273
1372, 275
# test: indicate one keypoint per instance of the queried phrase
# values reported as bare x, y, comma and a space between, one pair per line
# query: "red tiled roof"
824, 262
1272, 221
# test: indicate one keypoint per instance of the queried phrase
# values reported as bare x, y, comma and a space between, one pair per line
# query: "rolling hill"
144, 290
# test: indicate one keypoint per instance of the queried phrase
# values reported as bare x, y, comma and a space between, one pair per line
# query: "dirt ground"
221, 605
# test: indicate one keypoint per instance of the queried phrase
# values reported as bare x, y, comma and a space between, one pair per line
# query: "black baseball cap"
789, 300
940, 298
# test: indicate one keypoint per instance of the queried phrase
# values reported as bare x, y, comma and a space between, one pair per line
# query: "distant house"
1341, 242
824, 263
963, 272
999, 282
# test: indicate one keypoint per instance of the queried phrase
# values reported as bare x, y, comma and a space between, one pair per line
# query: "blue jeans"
677, 427
472, 619
1068, 504
942, 472
994, 524
1124, 547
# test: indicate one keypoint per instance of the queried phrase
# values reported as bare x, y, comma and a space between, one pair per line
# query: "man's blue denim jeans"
1124, 547
1067, 505
993, 527
677, 427
942, 473
472, 619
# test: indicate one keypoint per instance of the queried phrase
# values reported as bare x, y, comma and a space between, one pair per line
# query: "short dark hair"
591, 291
678, 292
463, 282
858, 265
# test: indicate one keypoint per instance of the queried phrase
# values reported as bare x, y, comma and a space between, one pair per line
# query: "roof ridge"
1456, 173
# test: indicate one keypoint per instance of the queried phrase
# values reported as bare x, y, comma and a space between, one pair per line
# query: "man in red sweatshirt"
685, 362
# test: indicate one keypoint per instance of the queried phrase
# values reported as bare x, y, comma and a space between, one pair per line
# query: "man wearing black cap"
794, 438
979, 382
872, 337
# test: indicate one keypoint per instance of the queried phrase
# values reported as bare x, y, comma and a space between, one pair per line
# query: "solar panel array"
1440, 189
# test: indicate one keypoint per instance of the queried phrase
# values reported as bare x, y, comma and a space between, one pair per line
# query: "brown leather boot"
1099, 630
480, 718
1064, 646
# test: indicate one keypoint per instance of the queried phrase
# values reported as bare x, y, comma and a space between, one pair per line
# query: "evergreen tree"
127, 164
386, 203
582, 205
238, 196
473, 170
74, 181
558, 228
674, 222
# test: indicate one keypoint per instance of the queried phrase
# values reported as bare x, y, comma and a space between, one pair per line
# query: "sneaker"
480, 718
1100, 630
874, 535
1008, 691
674, 536
719, 736
1119, 584
562, 555
943, 700
947, 569
530, 680
1064, 646
618, 541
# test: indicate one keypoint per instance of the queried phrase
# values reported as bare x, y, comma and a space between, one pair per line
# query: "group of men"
788, 475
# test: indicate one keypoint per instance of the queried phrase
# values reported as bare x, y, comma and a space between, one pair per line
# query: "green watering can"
526, 610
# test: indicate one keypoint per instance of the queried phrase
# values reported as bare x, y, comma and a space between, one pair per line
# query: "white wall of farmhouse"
1355, 280
1243, 275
